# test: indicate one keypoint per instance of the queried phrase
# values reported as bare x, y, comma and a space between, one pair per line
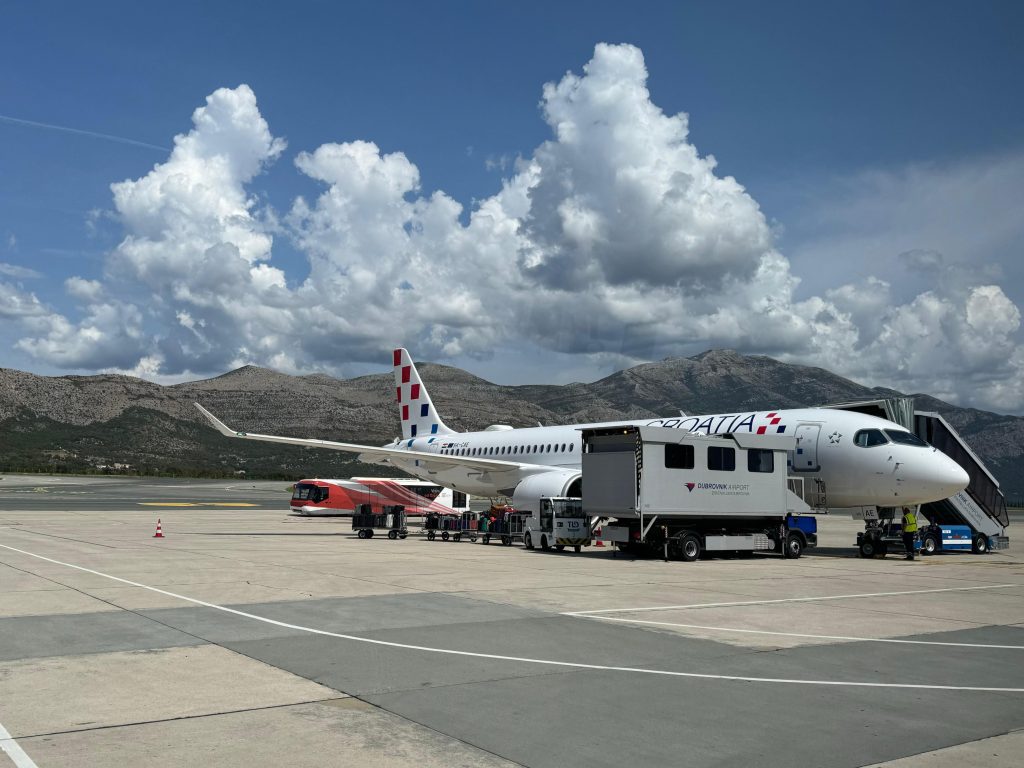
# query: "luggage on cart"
508, 528
392, 519
451, 527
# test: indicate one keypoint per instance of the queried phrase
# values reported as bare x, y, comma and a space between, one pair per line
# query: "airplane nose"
945, 477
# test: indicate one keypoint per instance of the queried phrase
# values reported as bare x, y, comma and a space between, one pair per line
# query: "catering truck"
681, 493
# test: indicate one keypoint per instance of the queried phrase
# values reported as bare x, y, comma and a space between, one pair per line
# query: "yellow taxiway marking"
196, 504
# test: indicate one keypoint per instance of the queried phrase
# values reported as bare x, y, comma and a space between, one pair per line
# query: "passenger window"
678, 456
760, 460
721, 459
869, 437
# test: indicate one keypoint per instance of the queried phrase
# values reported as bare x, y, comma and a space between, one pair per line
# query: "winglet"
219, 425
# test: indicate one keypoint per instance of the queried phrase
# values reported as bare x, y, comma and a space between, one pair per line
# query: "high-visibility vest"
909, 522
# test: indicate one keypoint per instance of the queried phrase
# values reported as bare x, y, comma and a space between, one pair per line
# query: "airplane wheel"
392, 535
444, 535
980, 545
528, 541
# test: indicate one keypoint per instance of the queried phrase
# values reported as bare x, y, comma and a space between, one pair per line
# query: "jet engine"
557, 482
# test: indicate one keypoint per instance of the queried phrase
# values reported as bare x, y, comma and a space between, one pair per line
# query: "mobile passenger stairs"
973, 520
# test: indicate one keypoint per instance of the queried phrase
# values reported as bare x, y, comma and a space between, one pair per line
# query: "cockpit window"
868, 437
905, 438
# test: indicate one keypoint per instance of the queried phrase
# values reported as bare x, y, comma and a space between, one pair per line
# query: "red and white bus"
342, 497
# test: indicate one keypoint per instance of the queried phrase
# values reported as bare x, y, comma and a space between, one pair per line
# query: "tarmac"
248, 637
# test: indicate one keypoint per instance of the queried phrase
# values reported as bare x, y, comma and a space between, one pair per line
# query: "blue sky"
877, 151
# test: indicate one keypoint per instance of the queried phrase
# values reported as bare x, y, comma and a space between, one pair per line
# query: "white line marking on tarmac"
786, 600
799, 634
524, 660
13, 750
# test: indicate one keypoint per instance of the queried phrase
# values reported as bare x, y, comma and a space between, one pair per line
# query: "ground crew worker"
909, 531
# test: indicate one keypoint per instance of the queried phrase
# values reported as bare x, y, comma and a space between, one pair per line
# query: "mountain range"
82, 423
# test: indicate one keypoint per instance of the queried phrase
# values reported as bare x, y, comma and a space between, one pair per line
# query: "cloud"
615, 241
16, 304
17, 272
110, 335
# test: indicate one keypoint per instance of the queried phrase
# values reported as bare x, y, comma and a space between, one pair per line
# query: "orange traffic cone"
159, 530
598, 542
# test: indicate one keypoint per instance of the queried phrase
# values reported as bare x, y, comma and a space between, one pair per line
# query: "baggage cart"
451, 527
509, 528
392, 520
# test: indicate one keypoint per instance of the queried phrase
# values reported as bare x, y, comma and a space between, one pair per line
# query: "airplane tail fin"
419, 417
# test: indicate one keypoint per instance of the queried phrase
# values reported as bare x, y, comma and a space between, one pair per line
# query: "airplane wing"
375, 455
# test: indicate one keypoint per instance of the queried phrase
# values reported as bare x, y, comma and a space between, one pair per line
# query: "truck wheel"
560, 547
430, 535
544, 543
506, 541
403, 534
794, 547
578, 547
457, 537
392, 535
361, 534
689, 548
868, 548
929, 545
528, 541
444, 535
980, 545
369, 533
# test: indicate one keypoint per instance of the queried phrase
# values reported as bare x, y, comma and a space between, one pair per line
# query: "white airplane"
854, 459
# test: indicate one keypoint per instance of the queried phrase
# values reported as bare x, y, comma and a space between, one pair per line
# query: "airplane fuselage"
853, 458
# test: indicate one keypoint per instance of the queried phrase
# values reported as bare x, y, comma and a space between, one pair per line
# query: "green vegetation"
153, 443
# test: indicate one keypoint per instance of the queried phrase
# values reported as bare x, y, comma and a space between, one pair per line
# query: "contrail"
80, 132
